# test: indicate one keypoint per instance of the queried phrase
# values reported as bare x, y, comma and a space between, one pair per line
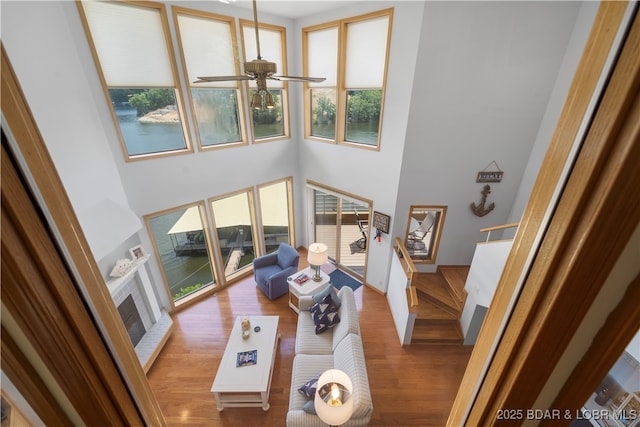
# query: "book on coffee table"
247, 358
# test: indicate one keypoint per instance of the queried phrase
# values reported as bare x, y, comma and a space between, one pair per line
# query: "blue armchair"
271, 271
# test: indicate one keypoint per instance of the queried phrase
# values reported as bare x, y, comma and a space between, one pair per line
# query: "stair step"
456, 276
433, 288
442, 333
426, 310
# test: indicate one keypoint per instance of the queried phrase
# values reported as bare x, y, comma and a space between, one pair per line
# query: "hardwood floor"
415, 385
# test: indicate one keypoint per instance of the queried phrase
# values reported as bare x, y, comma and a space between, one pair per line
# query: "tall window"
207, 43
234, 218
323, 42
276, 204
132, 50
268, 124
180, 239
349, 108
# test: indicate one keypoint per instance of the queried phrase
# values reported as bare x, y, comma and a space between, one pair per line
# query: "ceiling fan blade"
222, 78
259, 69
299, 79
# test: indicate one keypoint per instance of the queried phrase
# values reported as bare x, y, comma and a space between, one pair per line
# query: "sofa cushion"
349, 358
306, 339
329, 290
304, 367
309, 388
325, 315
308, 342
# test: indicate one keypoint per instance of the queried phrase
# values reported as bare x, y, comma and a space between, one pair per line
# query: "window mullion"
341, 96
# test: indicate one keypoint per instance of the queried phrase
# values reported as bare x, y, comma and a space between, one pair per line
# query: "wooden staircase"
441, 298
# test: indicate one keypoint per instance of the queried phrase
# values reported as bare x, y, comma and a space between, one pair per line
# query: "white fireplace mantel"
138, 269
155, 337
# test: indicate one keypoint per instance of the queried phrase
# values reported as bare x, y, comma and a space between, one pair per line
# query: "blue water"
180, 271
144, 138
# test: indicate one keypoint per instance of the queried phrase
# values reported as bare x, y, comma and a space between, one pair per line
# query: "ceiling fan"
259, 70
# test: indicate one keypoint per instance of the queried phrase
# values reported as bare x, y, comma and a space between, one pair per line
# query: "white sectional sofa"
337, 348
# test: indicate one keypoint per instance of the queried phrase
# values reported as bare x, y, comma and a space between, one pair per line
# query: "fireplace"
148, 324
131, 318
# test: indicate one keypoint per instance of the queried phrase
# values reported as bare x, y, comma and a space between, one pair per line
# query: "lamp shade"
317, 254
333, 401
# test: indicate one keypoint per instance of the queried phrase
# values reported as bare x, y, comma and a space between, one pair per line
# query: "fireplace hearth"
131, 318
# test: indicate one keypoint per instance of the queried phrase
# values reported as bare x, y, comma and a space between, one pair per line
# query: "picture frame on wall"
381, 221
137, 252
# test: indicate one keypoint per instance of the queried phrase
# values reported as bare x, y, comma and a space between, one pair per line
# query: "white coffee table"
309, 287
247, 385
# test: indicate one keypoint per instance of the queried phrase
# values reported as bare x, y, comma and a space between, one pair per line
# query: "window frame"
307, 96
341, 89
436, 232
310, 188
211, 254
282, 70
288, 181
180, 105
241, 272
178, 10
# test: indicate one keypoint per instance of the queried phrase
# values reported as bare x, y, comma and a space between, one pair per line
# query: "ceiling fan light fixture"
256, 100
268, 100
258, 70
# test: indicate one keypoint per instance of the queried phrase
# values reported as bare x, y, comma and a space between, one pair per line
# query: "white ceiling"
292, 9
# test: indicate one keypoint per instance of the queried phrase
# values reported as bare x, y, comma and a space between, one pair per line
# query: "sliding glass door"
341, 222
234, 220
326, 221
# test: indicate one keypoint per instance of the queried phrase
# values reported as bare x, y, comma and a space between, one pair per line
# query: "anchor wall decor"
481, 210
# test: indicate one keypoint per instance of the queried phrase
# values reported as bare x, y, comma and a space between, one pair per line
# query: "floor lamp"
316, 257
333, 401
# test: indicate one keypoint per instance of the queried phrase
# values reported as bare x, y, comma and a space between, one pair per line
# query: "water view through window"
149, 120
182, 247
145, 138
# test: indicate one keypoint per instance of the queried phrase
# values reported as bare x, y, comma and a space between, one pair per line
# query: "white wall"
39, 38
373, 174
484, 76
580, 34
484, 274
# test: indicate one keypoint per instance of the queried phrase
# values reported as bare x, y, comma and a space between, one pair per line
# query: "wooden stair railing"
488, 230
410, 271
432, 300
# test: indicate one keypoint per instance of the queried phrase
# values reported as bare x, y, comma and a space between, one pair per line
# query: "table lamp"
333, 401
316, 257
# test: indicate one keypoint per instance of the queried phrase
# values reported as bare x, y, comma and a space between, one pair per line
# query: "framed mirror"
423, 232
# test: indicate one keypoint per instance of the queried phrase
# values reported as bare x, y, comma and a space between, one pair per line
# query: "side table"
309, 287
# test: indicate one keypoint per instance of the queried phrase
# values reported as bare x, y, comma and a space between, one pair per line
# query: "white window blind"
366, 53
337, 194
207, 46
130, 44
270, 50
322, 46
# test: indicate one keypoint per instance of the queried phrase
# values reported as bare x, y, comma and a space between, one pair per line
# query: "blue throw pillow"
310, 407
321, 305
329, 290
325, 315
309, 388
